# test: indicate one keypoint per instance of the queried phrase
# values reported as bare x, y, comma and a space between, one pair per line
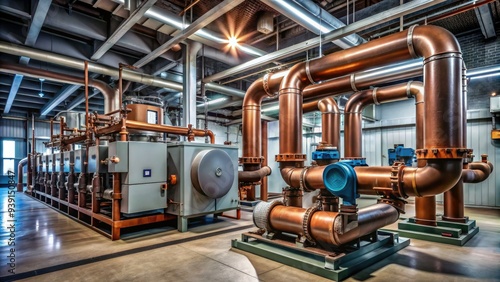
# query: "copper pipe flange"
306, 223
397, 173
441, 153
251, 160
261, 214
290, 158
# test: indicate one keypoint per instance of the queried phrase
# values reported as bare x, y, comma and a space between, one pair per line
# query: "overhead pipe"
320, 226
109, 93
184, 131
305, 13
73, 63
20, 166
443, 146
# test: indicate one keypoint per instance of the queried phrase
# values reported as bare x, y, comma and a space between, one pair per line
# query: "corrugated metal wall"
11, 128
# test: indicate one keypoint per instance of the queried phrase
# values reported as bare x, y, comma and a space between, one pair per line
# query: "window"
8, 155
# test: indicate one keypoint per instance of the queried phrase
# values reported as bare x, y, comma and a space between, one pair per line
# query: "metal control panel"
97, 154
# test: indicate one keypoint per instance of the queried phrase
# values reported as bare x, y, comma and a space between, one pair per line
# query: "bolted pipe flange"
441, 153
251, 160
306, 222
261, 214
290, 157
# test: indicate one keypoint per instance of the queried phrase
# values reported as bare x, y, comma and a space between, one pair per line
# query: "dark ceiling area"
107, 33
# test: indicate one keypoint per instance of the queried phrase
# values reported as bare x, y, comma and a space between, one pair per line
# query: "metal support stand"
336, 265
447, 232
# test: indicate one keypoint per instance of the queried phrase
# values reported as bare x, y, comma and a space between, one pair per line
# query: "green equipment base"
332, 264
447, 232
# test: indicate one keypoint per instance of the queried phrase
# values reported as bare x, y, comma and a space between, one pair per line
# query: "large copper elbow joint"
438, 176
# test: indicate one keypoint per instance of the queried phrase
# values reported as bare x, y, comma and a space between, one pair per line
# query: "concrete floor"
53, 247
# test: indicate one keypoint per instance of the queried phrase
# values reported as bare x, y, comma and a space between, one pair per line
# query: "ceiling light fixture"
232, 41
41, 87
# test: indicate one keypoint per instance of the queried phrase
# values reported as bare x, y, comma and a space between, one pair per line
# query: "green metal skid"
446, 232
336, 266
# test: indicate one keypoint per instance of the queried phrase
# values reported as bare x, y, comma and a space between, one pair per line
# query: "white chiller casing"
207, 180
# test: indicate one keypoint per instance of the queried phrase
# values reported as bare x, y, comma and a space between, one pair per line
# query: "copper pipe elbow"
477, 172
254, 175
437, 177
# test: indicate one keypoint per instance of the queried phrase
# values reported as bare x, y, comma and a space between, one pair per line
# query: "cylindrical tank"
147, 114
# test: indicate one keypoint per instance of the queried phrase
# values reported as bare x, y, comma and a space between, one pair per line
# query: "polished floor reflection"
52, 247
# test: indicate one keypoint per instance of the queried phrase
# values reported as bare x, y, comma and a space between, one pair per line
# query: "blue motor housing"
400, 153
340, 180
330, 154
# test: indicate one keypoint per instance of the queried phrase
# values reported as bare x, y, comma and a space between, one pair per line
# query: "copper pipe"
86, 87
312, 177
251, 131
477, 172
354, 109
184, 131
453, 199
454, 203
264, 182
107, 92
425, 207
330, 120
323, 224
20, 165
252, 155
458, 11
254, 175
287, 219
438, 176
188, 7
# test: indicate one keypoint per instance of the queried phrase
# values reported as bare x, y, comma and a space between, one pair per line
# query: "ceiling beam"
202, 21
37, 19
62, 95
125, 26
485, 19
358, 26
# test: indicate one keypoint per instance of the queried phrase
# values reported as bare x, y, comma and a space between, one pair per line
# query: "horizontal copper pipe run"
436, 177
323, 224
477, 172
184, 131
254, 175
312, 177
108, 92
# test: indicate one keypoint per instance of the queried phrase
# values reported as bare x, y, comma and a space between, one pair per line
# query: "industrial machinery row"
117, 170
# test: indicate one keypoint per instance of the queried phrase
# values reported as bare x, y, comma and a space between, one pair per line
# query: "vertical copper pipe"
264, 182
425, 207
120, 87
453, 200
116, 201
330, 119
86, 88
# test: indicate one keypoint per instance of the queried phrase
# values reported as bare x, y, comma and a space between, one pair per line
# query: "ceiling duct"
265, 24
